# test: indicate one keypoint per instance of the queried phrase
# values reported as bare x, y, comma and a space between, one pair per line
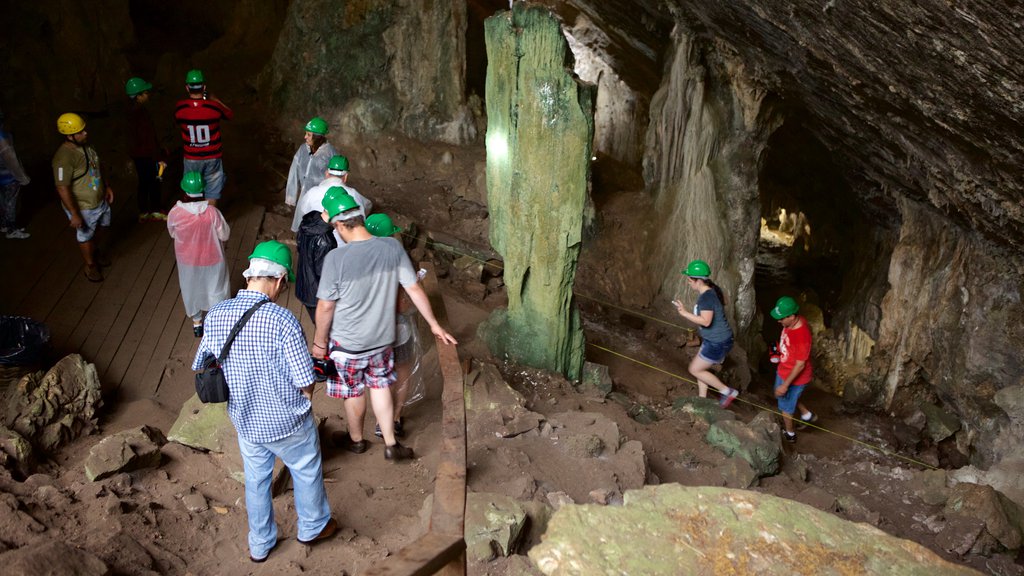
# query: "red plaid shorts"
355, 374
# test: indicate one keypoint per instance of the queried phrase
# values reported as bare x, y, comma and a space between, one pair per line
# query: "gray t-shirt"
362, 279
719, 330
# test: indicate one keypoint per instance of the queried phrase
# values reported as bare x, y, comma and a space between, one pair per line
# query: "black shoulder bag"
211, 387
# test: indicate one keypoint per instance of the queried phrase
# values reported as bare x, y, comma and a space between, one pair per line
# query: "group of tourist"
349, 271
792, 353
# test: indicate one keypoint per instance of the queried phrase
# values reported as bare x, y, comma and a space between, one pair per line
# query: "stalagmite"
539, 135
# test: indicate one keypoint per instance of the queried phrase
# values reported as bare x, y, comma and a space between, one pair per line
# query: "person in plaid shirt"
270, 382
356, 309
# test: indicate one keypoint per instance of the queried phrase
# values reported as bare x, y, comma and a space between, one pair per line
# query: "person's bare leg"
403, 372
88, 249
383, 409
355, 413
701, 370
787, 421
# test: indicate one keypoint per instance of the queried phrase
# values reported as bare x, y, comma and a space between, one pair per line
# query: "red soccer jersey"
795, 345
200, 127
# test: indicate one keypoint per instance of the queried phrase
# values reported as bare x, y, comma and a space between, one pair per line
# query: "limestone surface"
539, 133
671, 529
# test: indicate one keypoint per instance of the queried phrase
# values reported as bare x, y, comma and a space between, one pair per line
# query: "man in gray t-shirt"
356, 307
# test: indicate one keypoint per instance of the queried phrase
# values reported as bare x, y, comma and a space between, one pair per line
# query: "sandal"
93, 274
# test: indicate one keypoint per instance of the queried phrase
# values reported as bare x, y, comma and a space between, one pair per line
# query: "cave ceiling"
923, 99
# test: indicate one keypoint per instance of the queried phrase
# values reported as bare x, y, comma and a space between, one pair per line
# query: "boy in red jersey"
199, 116
794, 364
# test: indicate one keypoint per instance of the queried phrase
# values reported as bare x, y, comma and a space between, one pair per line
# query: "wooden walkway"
132, 326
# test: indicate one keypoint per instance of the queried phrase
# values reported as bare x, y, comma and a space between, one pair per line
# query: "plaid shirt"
267, 364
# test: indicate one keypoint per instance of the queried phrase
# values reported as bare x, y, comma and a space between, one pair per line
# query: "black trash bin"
23, 341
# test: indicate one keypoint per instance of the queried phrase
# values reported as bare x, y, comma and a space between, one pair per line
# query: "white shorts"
98, 216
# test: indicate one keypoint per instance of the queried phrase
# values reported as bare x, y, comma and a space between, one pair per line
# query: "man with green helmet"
199, 231
270, 382
144, 150
336, 175
84, 194
794, 360
199, 117
308, 164
355, 320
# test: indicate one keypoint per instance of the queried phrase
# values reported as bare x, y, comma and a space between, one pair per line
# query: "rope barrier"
755, 405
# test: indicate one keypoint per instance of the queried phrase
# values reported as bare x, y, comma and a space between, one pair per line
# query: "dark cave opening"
809, 225
476, 45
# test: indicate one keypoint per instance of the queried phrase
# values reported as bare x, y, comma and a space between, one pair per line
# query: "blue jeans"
300, 452
787, 402
213, 175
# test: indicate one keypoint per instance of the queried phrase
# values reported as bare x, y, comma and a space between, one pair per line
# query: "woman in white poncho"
199, 232
308, 165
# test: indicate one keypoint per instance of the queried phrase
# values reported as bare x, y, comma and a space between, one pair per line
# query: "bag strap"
238, 328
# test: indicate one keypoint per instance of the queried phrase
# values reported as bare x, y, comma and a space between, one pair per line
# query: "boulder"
123, 452
941, 424
818, 498
671, 529
204, 426
642, 413
737, 473
493, 522
751, 442
15, 451
983, 503
959, 534
53, 408
596, 380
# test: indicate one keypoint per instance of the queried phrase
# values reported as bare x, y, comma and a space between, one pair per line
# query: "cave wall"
61, 56
952, 327
920, 105
370, 67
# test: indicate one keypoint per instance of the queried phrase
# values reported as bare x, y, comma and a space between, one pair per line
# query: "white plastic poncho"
313, 200
307, 171
199, 231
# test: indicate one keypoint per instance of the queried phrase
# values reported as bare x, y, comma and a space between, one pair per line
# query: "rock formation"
540, 126
672, 529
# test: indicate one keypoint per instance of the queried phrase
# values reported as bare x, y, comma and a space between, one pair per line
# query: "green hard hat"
338, 163
135, 86
337, 200
784, 307
275, 252
195, 77
317, 126
697, 269
192, 184
381, 225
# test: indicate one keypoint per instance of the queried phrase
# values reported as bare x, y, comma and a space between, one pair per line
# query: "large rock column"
539, 132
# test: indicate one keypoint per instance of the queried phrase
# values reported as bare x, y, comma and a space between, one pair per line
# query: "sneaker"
327, 532
791, 438
397, 452
93, 274
801, 422
17, 234
727, 398
158, 216
197, 330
